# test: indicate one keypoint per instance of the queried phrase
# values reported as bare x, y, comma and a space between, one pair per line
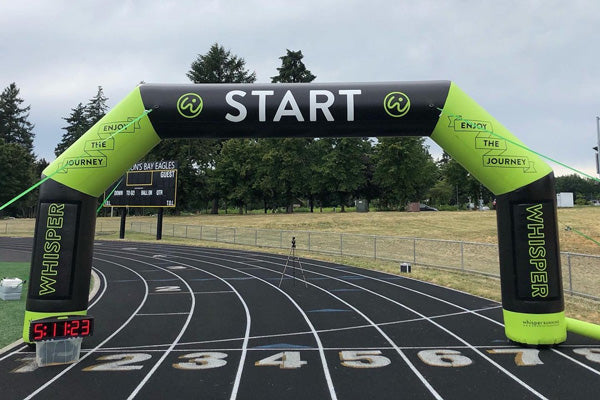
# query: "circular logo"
190, 105
396, 104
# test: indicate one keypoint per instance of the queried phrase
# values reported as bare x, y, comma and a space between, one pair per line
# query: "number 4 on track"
283, 360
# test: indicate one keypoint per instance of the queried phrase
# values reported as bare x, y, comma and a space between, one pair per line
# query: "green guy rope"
110, 194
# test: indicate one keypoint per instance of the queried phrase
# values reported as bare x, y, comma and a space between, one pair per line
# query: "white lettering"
282, 111
350, 93
324, 107
262, 102
237, 105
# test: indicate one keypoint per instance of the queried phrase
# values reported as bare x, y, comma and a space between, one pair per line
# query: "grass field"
473, 226
12, 311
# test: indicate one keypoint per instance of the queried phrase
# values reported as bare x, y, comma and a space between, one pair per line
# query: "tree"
404, 170
81, 119
291, 153
283, 171
197, 181
584, 188
292, 69
14, 124
16, 164
96, 107
342, 168
236, 171
465, 187
77, 125
219, 66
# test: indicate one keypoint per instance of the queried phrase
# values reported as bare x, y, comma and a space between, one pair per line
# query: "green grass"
12, 311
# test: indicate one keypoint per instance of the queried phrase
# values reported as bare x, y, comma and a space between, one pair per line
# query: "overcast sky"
532, 64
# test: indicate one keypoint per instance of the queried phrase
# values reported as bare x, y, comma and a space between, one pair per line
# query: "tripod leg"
285, 268
302, 271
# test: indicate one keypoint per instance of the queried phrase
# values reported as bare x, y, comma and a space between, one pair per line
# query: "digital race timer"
61, 328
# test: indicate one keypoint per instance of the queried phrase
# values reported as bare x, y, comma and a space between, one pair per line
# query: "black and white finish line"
188, 322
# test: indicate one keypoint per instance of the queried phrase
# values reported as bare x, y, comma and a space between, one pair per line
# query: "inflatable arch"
532, 296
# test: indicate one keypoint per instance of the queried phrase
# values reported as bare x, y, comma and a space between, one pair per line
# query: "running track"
186, 322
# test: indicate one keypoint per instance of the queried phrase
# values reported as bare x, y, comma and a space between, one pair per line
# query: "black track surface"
184, 322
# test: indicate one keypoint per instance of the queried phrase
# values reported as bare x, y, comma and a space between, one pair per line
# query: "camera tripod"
292, 258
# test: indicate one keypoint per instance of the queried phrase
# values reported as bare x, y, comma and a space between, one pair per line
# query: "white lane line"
328, 379
165, 313
15, 351
484, 356
270, 349
213, 292
181, 332
372, 324
240, 369
103, 277
474, 312
283, 335
48, 383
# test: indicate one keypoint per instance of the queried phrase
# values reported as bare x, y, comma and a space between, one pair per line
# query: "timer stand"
291, 260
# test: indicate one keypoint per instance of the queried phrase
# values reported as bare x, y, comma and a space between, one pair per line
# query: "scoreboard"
146, 184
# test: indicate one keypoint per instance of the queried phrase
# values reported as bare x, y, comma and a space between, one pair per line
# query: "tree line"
267, 174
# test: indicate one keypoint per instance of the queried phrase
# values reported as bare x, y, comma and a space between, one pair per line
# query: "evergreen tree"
14, 124
197, 181
291, 153
219, 66
292, 69
16, 164
96, 108
77, 125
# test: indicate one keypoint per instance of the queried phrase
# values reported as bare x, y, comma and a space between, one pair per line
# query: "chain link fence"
581, 272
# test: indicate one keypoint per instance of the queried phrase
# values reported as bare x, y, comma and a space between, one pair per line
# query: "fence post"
570, 276
234, 235
341, 244
186, 227
414, 250
256, 238
375, 247
216, 234
173, 230
281, 239
309, 241
201, 231
462, 256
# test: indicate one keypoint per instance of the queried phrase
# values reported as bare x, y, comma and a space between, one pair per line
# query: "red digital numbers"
39, 331
57, 328
85, 327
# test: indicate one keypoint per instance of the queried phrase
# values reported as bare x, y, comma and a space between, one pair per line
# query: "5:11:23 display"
56, 328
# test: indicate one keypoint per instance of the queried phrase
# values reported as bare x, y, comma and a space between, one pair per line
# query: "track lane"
555, 363
422, 330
